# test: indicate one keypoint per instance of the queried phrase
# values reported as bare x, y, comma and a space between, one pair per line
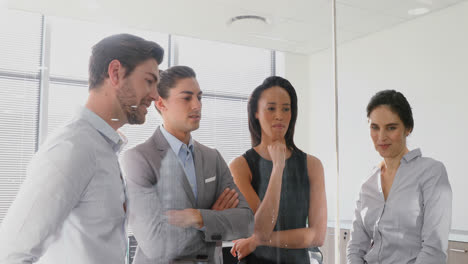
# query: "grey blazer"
156, 182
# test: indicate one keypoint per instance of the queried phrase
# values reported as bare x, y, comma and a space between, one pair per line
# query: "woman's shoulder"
430, 162
240, 168
431, 170
314, 165
425, 163
311, 159
243, 161
238, 161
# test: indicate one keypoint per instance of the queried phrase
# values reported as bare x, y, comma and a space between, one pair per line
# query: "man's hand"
227, 200
185, 218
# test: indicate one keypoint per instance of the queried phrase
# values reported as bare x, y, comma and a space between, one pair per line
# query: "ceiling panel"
296, 25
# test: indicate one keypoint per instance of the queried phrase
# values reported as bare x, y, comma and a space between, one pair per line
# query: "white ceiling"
299, 26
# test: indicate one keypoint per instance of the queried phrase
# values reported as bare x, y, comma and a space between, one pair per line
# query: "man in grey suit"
182, 198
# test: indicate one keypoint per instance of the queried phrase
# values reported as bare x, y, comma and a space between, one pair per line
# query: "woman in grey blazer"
403, 213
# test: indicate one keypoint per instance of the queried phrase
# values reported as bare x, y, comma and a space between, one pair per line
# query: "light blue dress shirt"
412, 225
70, 208
185, 154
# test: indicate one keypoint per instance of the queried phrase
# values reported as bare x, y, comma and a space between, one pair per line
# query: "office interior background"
417, 47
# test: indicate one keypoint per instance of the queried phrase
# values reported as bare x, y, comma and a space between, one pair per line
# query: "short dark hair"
397, 103
252, 108
128, 49
169, 78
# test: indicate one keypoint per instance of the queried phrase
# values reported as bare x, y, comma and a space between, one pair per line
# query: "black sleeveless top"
293, 207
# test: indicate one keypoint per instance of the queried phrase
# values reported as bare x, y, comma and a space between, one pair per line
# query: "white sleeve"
53, 186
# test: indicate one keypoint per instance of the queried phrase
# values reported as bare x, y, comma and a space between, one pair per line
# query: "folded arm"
147, 217
231, 223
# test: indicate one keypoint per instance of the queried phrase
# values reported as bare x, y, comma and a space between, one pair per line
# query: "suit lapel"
198, 162
165, 149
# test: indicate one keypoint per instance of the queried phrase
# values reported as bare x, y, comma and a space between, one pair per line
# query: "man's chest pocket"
210, 185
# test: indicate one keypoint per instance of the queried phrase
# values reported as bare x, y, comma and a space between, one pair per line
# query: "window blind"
227, 74
20, 47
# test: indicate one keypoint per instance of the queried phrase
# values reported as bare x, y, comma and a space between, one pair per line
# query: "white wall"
427, 60
296, 68
313, 135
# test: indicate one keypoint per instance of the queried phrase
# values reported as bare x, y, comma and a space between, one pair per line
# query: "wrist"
255, 240
198, 219
278, 166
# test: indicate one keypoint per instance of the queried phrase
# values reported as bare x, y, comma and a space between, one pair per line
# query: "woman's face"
274, 113
388, 132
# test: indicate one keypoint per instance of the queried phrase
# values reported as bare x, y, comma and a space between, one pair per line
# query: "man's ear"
116, 72
159, 103
408, 132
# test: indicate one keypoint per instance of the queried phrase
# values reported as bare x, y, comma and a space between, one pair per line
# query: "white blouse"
412, 225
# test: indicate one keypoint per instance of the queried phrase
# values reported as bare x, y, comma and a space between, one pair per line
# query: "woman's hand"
277, 151
243, 247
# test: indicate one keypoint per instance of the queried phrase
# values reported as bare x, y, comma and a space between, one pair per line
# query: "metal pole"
337, 147
44, 84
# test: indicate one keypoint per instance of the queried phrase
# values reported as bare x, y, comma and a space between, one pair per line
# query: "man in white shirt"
72, 206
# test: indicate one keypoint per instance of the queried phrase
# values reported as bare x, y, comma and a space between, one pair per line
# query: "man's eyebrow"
191, 93
153, 75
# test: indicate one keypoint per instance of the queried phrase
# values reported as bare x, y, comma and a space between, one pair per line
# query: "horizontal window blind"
64, 101
20, 42
224, 126
227, 74
20, 47
18, 130
69, 56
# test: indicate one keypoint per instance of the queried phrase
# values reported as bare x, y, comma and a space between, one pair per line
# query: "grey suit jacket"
156, 182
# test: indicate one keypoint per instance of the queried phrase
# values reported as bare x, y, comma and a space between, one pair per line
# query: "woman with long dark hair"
283, 185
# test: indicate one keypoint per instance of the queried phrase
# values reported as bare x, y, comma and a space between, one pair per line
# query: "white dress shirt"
70, 208
412, 225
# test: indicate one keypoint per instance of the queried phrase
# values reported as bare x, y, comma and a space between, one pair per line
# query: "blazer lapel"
198, 162
165, 149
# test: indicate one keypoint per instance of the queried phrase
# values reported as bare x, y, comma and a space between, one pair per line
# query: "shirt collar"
412, 155
174, 142
115, 138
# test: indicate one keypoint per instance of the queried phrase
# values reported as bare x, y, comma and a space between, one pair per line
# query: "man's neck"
101, 103
180, 135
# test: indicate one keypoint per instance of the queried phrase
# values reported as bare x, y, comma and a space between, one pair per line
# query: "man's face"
182, 109
138, 90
